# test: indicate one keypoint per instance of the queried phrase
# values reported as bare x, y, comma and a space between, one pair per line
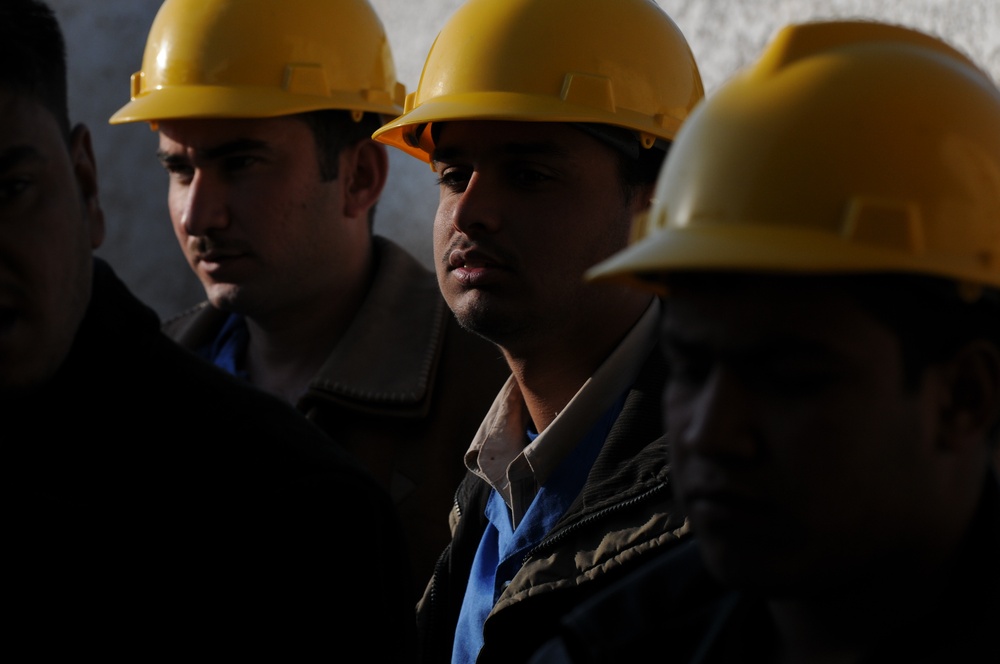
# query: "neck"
287, 348
550, 374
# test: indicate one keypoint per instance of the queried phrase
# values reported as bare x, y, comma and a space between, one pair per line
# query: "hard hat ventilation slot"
589, 90
306, 79
136, 82
376, 97
885, 223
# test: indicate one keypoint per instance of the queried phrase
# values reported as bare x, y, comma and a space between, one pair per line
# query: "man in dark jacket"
265, 110
151, 501
547, 131
827, 235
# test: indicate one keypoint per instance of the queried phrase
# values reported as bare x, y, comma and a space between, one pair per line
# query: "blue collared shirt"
228, 350
503, 547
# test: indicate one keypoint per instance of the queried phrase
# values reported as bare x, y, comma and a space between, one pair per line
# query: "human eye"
13, 186
794, 374
236, 163
178, 171
453, 179
529, 176
687, 366
801, 381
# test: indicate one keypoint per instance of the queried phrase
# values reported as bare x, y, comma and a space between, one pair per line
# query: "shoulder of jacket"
184, 316
195, 326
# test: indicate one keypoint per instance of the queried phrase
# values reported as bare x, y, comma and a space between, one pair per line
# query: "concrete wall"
105, 39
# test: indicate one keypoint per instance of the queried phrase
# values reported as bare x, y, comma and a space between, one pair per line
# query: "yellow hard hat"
622, 63
263, 58
849, 147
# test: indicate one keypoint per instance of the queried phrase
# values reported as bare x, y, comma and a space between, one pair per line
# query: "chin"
741, 573
227, 297
478, 326
493, 325
773, 572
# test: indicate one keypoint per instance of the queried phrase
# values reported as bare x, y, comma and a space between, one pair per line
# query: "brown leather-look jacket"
404, 390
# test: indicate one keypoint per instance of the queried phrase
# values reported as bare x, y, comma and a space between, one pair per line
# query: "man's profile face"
255, 220
798, 453
525, 209
49, 223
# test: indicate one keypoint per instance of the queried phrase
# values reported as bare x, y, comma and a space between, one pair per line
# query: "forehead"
206, 133
739, 311
499, 138
25, 121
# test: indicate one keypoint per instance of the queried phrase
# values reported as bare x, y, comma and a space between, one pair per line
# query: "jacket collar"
387, 360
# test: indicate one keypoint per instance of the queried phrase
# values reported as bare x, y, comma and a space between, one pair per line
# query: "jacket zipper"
565, 532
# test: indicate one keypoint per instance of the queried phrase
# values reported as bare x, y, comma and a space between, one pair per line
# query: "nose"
200, 206
477, 208
713, 419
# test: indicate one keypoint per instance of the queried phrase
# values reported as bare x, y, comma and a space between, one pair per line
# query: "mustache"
484, 250
204, 244
207, 244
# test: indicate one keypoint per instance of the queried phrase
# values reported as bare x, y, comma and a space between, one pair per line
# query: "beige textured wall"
106, 37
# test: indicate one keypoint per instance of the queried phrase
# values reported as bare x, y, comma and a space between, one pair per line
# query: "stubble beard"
485, 320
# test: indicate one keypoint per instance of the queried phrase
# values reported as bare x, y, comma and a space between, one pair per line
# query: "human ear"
85, 172
642, 198
973, 407
364, 170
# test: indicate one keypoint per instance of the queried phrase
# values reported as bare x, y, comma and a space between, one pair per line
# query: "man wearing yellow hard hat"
264, 110
151, 503
546, 122
827, 239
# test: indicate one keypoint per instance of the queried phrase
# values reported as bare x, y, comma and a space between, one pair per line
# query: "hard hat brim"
204, 101
769, 249
514, 107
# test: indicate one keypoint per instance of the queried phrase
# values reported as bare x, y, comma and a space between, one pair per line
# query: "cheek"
67, 274
841, 459
177, 209
179, 232
442, 236
676, 418
589, 234
443, 230
808, 440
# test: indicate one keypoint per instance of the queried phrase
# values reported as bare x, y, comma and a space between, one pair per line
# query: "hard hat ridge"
622, 63
263, 58
848, 147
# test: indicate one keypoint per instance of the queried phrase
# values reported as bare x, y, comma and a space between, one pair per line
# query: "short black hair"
638, 166
641, 171
335, 129
33, 56
932, 317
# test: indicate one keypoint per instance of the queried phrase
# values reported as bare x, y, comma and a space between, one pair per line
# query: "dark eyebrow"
215, 152
19, 154
537, 148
